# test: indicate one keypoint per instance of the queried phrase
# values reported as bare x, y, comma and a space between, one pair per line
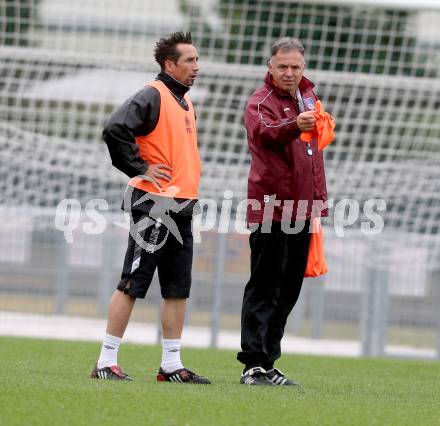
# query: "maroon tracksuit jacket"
281, 169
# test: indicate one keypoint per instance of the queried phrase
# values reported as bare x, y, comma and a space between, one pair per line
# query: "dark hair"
166, 47
287, 44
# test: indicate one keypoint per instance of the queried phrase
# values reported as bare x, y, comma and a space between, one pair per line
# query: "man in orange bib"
152, 138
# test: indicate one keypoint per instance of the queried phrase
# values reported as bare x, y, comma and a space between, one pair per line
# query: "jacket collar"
178, 88
304, 84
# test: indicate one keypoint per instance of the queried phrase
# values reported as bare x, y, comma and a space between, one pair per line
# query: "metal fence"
385, 313
65, 66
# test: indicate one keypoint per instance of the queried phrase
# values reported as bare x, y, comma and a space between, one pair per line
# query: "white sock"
171, 355
109, 351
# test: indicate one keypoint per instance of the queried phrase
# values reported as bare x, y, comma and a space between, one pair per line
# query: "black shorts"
153, 243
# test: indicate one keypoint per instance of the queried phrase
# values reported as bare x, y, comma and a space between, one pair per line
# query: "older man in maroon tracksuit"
286, 183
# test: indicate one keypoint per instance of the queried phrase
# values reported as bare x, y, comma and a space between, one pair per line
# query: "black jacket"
138, 116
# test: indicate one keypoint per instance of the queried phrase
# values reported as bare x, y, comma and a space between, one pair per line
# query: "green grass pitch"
47, 382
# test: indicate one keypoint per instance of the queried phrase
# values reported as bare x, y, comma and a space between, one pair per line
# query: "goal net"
66, 65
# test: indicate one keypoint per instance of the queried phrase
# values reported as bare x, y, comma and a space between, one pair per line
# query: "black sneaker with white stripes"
109, 373
278, 378
255, 376
182, 376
